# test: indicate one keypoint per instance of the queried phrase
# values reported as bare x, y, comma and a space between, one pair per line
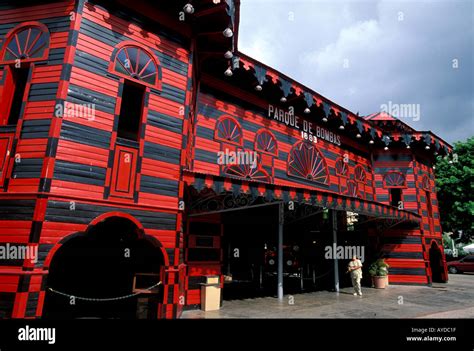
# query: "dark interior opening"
306, 268
131, 111
395, 196
102, 264
20, 79
436, 264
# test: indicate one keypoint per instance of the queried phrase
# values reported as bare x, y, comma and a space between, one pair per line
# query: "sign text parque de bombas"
289, 118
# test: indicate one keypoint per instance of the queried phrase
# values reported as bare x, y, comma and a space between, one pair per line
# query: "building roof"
275, 87
380, 116
374, 126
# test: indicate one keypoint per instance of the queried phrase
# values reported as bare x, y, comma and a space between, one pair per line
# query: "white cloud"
404, 61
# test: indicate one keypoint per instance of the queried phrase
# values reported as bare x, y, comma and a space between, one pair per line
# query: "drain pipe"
281, 212
334, 240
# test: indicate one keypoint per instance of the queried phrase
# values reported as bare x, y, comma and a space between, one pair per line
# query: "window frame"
364, 172
403, 186
344, 164
17, 29
356, 188
216, 131
250, 173
260, 132
10, 86
325, 166
123, 45
391, 196
144, 106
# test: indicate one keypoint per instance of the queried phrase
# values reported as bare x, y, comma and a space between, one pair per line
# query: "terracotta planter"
379, 282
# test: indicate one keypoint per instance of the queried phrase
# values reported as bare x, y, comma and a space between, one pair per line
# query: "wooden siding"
206, 147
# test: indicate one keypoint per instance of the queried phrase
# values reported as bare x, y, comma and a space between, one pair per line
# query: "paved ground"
452, 300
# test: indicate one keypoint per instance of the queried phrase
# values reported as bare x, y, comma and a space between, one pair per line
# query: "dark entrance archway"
101, 264
436, 263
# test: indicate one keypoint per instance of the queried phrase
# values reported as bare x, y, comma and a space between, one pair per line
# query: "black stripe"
76, 172
60, 211
85, 135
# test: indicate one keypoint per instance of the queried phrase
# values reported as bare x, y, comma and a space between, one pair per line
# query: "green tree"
455, 185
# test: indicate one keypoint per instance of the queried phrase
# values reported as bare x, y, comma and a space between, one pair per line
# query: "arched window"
29, 42
394, 180
360, 175
247, 172
425, 183
137, 63
228, 130
265, 142
341, 167
305, 161
24, 44
352, 189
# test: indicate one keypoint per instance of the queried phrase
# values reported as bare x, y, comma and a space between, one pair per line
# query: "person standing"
355, 268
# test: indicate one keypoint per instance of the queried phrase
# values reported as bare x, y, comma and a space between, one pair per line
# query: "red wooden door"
124, 172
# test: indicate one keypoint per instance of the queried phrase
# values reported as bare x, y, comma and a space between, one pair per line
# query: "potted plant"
379, 272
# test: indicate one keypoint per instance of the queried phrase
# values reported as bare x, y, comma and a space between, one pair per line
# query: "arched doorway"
100, 264
436, 263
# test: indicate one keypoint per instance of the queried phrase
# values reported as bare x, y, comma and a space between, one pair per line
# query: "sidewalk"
452, 300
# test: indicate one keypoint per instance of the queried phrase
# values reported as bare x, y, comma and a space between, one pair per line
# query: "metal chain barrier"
103, 299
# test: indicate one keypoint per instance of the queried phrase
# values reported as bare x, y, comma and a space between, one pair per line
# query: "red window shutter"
6, 96
5, 149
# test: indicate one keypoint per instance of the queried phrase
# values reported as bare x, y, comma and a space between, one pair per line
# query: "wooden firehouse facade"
115, 112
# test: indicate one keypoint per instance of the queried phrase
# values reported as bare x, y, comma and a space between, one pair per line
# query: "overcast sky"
363, 54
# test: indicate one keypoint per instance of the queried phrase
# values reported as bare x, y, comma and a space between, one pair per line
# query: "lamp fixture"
227, 32
188, 8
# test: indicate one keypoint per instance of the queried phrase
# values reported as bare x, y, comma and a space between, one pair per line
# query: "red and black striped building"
113, 115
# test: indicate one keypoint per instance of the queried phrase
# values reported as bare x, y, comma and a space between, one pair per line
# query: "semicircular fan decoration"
305, 161
265, 142
425, 183
137, 63
360, 175
247, 172
27, 43
394, 180
341, 167
228, 130
352, 189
